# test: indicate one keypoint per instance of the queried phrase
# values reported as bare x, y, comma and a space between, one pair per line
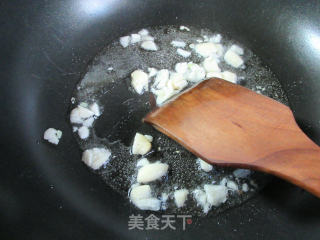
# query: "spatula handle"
298, 166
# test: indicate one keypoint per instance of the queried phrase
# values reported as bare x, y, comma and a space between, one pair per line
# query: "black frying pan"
47, 193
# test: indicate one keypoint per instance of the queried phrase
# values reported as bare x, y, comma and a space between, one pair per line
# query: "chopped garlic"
183, 53
177, 81
141, 145
151, 172
220, 50
210, 65
94, 107
181, 67
83, 104
224, 182
216, 194
135, 38
216, 38
205, 38
204, 165
142, 198
179, 44
161, 78
96, 157
143, 32
124, 41
180, 196
142, 162
149, 137
195, 73
83, 132
245, 187
229, 76
213, 74
184, 28
237, 49
139, 81
82, 115
201, 198
164, 94
206, 49
88, 122
152, 204
79, 114
52, 135
147, 38
140, 192
149, 45
233, 59
232, 185
152, 72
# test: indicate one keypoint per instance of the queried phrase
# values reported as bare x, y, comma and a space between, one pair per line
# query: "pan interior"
123, 110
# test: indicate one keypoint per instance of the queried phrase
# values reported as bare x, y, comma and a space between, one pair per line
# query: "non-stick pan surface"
47, 193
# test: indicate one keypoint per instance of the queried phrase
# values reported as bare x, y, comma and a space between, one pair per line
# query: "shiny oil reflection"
314, 39
96, 7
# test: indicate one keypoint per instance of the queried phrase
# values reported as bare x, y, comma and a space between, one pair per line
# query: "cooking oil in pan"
107, 82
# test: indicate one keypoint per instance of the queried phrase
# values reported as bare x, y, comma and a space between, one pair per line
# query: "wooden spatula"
229, 125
